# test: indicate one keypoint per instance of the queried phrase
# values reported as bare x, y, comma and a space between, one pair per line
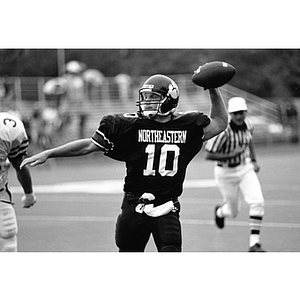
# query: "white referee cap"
236, 104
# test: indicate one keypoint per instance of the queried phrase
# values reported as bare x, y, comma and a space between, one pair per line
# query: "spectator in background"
94, 80
6, 95
55, 91
292, 121
76, 96
3, 90
123, 81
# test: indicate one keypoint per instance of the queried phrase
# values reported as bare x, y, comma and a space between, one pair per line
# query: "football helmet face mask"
159, 95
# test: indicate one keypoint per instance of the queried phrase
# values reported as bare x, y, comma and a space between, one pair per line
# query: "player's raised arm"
218, 115
75, 148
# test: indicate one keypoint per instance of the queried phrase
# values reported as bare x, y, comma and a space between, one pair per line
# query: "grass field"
79, 200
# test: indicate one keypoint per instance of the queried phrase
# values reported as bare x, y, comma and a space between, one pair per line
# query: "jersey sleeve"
14, 136
101, 137
19, 145
111, 135
196, 117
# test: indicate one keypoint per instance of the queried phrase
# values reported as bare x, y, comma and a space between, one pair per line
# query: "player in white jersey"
235, 171
13, 147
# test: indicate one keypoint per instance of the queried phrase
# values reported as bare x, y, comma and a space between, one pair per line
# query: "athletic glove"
28, 200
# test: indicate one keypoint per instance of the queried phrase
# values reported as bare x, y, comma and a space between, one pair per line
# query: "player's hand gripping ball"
213, 74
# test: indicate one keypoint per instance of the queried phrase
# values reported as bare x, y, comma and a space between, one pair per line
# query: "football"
213, 74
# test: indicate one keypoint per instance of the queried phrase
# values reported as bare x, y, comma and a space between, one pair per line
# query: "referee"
235, 171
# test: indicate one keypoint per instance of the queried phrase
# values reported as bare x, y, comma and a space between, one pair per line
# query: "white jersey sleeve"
13, 137
13, 142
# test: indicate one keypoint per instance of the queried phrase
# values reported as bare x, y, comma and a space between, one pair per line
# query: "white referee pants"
236, 183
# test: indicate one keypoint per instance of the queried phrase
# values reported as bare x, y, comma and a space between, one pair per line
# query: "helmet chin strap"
149, 113
153, 113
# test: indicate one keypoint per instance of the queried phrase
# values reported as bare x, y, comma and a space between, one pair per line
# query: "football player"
13, 147
157, 144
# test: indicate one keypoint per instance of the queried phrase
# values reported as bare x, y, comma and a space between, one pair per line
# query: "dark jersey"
156, 154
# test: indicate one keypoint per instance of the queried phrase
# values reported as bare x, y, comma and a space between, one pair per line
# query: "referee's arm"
253, 157
223, 156
252, 152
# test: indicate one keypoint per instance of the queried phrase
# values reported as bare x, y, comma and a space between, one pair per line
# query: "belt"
228, 165
133, 199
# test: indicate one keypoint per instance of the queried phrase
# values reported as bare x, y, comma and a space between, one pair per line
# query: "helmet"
159, 95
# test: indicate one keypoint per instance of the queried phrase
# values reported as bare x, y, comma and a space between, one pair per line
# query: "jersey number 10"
165, 150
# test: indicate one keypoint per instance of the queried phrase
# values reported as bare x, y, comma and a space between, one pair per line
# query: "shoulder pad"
191, 116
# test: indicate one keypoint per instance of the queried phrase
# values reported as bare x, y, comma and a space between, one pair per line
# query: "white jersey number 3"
165, 150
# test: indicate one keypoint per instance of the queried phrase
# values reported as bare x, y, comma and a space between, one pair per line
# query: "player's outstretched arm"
37, 159
75, 148
218, 115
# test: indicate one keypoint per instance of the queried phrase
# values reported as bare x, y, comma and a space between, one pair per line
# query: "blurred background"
61, 94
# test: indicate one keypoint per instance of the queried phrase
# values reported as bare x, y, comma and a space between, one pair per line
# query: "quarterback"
156, 144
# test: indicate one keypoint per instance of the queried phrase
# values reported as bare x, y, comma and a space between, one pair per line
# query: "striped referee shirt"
234, 136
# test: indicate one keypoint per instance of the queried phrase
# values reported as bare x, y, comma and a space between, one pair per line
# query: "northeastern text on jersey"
162, 136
